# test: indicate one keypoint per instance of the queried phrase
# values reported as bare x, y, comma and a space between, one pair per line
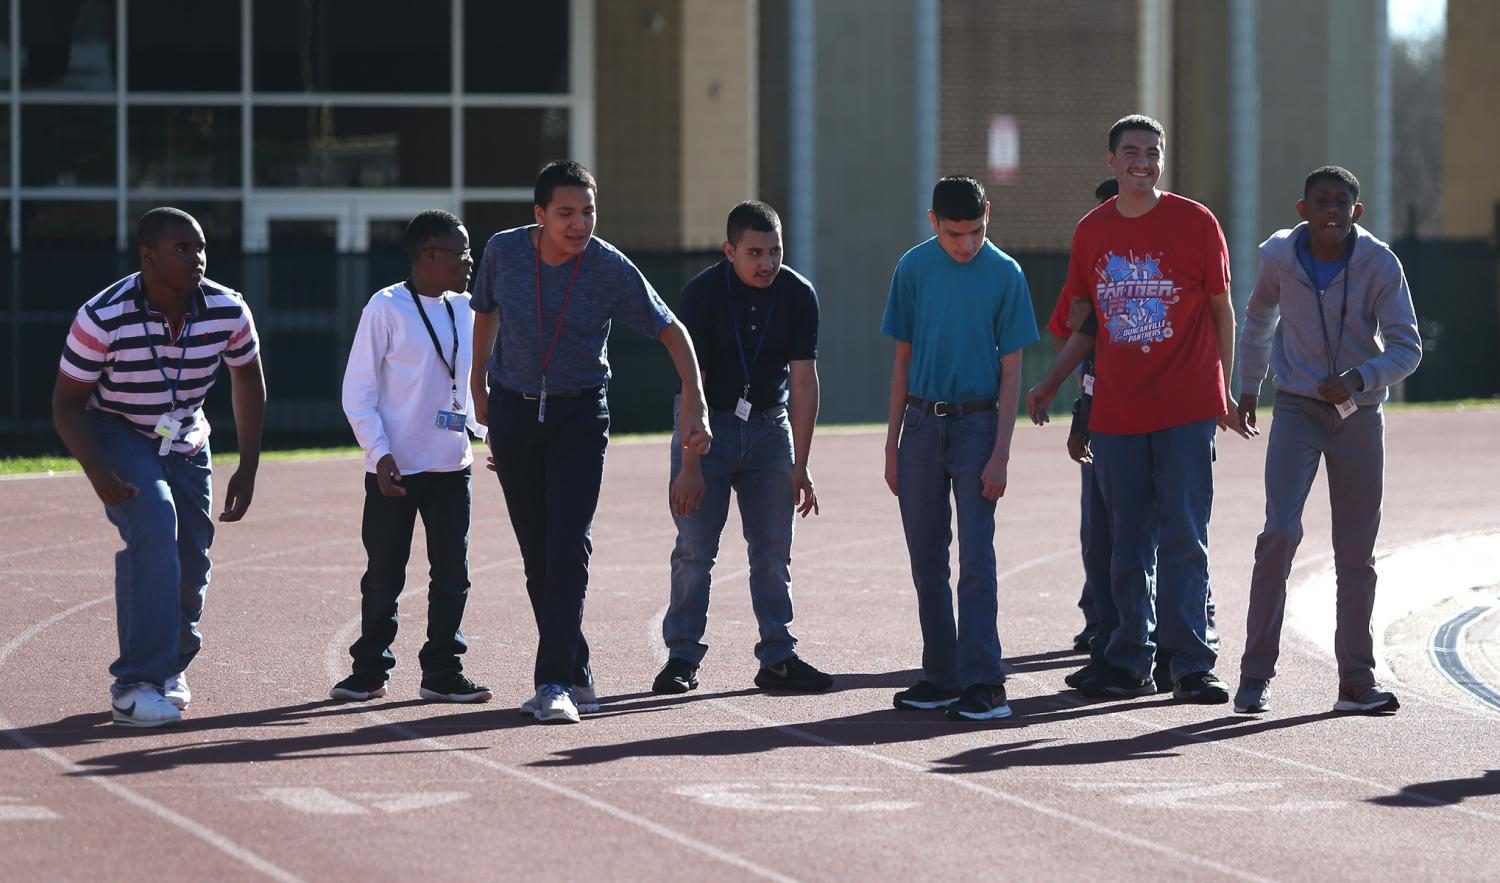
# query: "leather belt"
559, 394
949, 409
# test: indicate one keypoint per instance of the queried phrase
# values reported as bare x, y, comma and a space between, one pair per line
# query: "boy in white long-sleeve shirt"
1332, 318
406, 393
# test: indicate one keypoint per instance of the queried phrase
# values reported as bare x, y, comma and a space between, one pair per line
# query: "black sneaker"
1082, 640
1162, 676
1201, 688
359, 687
677, 676
1116, 683
980, 702
924, 696
1088, 672
453, 686
792, 675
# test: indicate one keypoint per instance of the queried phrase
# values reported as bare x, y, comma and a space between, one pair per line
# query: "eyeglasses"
464, 255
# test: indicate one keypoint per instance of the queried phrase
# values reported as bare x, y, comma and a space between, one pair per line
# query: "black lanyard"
739, 343
432, 333
182, 342
1330, 352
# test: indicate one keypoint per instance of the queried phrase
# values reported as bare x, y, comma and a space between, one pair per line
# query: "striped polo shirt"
110, 345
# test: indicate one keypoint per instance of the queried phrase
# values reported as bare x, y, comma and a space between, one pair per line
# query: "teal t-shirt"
959, 319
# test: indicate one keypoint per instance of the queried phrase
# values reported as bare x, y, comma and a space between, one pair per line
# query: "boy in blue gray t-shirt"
960, 311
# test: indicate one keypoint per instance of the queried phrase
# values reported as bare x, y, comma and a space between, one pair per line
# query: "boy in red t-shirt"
1155, 267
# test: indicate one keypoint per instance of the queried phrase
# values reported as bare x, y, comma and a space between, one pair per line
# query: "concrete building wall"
719, 111
1471, 177
1198, 143
640, 120
1066, 70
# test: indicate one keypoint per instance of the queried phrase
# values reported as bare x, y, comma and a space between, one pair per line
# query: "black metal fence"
307, 306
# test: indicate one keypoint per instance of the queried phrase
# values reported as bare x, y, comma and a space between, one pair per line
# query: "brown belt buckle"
944, 409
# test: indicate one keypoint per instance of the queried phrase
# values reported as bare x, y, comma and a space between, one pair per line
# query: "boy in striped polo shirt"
139, 361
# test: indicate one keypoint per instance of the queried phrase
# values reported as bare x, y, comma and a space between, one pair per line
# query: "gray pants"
1303, 431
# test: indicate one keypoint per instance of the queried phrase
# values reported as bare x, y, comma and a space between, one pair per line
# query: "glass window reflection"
68, 44
184, 46
515, 47
184, 147
507, 146
67, 145
5, 51
220, 220
353, 46
352, 147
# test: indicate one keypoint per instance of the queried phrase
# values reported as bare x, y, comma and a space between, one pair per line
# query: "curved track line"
1446, 652
333, 662
197, 829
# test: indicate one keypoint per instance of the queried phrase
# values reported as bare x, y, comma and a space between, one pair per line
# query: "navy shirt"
608, 286
716, 300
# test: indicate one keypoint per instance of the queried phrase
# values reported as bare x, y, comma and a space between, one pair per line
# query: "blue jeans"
1094, 541
161, 576
939, 456
1158, 488
754, 458
442, 499
551, 473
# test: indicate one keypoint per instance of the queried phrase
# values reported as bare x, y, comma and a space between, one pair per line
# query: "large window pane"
352, 147
70, 253
515, 47
184, 147
4, 144
507, 146
5, 44
67, 146
68, 44
220, 220
4, 226
184, 46
352, 46
485, 219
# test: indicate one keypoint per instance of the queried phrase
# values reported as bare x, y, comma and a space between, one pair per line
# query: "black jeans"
442, 499
550, 473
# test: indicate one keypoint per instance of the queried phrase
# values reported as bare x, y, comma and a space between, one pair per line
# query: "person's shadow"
1444, 792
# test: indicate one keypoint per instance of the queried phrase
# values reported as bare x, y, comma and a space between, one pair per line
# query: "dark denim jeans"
754, 458
1094, 541
161, 576
442, 499
940, 456
551, 473
1158, 489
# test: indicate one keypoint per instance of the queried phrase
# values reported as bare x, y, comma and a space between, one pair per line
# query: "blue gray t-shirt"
608, 286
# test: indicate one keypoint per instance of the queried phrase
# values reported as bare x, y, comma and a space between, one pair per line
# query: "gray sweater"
1282, 330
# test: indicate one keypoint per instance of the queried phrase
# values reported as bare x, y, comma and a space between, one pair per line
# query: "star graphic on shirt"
1156, 310
1150, 268
1119, 269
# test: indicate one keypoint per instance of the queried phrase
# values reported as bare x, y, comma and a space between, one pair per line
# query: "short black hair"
751, 214
1138, 122
1107, 189
154, 224
1332, 174
426, 227
958, 198
561, 173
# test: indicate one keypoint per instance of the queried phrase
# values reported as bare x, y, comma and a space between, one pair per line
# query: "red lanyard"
562, 314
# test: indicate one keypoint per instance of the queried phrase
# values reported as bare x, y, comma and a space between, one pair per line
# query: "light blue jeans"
940, 456
754, 459
161, 576
1158, 488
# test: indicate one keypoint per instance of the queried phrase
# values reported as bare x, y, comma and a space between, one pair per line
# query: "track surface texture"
267, 778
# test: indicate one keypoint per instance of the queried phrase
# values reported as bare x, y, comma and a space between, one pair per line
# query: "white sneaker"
142, 705
176, 690
583, 696
554, 705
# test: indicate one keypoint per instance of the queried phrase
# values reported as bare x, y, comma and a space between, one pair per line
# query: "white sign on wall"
1004, 149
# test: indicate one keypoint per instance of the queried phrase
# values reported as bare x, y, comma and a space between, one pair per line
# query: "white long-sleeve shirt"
395, 384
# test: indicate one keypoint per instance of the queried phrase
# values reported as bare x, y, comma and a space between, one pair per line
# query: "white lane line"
334, 664
52, 547
202, 832
653, 625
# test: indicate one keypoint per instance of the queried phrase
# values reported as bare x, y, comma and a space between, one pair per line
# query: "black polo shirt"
716, 300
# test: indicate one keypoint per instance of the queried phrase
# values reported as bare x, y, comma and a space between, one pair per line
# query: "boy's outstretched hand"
1038, 398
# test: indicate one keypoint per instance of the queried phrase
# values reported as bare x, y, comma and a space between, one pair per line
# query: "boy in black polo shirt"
755, 324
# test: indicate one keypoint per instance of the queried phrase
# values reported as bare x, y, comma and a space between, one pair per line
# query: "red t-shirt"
1057, 323
1150, 277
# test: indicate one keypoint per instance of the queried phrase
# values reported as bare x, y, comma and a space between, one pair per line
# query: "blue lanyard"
1305, 258
740, 343
182, 342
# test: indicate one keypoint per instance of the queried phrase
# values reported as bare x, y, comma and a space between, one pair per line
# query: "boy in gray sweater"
1333, 318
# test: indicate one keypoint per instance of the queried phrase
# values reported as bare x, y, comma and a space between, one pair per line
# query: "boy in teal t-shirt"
960, 311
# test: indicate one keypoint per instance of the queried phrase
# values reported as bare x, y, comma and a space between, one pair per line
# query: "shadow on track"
1444, 792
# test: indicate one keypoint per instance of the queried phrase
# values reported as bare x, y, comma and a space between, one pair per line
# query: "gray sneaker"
1253, 696
584, 697
554, 705
1369, 699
